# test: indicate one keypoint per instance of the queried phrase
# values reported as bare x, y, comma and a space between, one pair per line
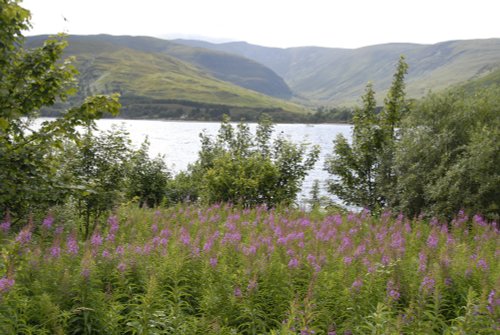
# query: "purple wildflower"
110, 237
185, 238
432, 240
398, 241
55, 251
482, 264
237, 292
96, 240
120, 250
5, 226
154, 228
479, 220
252, 284
24, 236
422, 257
294, 263
85, 272
392, 291
121, 267
113, 224
213, 262
72, 245
428, 284
48, 221
6, 284
493, 301
357, 284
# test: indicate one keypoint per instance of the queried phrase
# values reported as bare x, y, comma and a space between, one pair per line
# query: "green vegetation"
338, 76
435, 158
224, 250
364, 170
154, 74
239, 168
449, 154
223, 270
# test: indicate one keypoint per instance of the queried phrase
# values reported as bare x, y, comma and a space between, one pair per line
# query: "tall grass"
222, 270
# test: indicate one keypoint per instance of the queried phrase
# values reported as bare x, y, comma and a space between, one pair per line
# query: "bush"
240, 168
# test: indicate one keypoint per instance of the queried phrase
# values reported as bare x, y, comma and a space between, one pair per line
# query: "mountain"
153, 75
339, 76
201, 80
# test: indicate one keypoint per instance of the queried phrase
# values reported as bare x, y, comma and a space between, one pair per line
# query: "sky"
274, 23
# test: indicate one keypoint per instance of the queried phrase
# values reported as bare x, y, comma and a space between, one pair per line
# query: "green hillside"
338, 76
228, 67
155, 84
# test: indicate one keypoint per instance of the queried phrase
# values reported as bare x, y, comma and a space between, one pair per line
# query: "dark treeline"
134, 107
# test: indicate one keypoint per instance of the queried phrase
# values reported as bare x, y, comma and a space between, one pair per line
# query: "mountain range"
202, 80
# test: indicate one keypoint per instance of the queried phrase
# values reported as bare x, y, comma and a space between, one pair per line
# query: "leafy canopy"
30, 80
363, 170
250, 170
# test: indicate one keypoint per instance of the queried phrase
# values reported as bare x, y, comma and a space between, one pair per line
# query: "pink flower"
294, 263
96, 240
121, 267
120, 250
428, 284
113, 223
5, 225
482, 264
213, 262
24, 236
357, 284
347, 260
6, 284
392, 291
72, 245
422, 262
55, 251
47, 222
432, 240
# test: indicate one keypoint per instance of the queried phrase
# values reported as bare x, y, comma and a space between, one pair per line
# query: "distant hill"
201, 80
338, 76
153, 75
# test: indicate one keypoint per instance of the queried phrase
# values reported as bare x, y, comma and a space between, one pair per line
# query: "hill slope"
329, 75
228, 67
150, 79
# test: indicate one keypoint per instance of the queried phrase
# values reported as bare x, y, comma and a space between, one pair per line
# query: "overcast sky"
279, 23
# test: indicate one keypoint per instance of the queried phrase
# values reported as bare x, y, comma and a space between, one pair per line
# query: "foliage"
237, 167
147, 178
449, 154
223, 270
363, 170
29, 80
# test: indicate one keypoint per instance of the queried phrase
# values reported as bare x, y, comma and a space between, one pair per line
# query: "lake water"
180, 143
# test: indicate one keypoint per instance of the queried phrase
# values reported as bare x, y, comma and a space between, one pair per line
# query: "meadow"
225, 270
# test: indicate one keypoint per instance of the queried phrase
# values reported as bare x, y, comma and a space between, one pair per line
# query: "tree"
30, 80
96, 171
237, 167
448, 156
147, 178
363, 171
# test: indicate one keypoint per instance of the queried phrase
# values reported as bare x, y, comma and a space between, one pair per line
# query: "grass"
222, 270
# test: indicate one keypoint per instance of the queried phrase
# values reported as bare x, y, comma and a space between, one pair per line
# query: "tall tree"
30, 80
363, 169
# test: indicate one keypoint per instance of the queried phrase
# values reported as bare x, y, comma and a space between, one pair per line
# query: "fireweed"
221, 270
